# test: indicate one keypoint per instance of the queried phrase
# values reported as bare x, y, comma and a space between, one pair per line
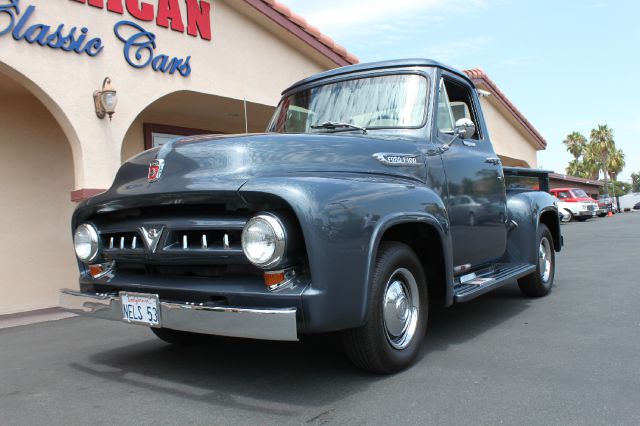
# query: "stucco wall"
36, 171
507, 139
245, 59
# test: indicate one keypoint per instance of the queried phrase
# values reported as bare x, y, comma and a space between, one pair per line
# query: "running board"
500, 275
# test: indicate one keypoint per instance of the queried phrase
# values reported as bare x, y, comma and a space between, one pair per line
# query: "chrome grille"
122, 241
194, 240
207, 239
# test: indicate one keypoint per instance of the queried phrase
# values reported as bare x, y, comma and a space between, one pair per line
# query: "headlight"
85, 242
264, 240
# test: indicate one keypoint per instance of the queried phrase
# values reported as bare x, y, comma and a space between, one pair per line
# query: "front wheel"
396, 313
540, 282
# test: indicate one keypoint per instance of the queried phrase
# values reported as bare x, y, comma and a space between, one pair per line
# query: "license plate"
140, 308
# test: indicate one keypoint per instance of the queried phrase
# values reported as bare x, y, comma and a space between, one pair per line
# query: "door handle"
492, 160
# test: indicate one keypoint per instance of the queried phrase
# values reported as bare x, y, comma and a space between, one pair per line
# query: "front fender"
342, 220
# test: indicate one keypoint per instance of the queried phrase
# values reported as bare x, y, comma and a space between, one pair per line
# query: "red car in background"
578, 203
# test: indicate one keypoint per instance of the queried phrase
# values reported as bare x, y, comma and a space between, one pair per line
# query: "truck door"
476, 193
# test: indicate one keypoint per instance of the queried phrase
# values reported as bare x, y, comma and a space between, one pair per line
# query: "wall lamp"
105, 100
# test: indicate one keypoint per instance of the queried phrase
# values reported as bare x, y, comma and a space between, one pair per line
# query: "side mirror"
465, 128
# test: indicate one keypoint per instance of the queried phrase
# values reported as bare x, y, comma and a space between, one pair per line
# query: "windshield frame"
359, 76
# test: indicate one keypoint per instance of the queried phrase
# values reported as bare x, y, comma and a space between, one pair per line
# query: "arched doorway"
36, 175
187, 113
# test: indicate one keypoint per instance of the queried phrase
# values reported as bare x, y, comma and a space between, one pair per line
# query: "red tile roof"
299, 26
478, 76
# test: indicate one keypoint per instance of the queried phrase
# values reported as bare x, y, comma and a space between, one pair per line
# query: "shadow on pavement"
270, 377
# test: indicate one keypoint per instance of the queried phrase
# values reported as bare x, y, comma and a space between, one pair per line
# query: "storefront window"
392, 101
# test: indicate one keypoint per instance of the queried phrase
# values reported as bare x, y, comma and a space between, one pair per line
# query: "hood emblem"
155, 170
399, 160
151, 237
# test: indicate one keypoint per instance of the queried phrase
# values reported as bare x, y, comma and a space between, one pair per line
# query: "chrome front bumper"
266, 324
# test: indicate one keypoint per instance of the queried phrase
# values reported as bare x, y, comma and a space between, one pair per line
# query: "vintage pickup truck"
374, 192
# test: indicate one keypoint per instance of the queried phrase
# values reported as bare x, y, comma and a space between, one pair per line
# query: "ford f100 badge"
398, 160
155, 170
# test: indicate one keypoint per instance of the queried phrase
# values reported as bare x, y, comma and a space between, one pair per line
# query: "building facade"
179, 67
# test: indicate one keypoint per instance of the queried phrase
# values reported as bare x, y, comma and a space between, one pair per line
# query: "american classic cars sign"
139, 44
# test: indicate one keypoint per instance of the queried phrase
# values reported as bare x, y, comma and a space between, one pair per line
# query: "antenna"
246, 119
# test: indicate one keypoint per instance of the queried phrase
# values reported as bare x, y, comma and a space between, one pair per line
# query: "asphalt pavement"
570, 358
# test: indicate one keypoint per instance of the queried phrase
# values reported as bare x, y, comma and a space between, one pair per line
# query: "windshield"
390, 101
579, 193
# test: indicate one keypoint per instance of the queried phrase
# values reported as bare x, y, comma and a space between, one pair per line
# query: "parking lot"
570, 358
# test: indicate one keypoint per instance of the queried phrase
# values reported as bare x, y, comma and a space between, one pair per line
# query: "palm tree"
601, 147
576, 144
590, 165
574, 168
616, 163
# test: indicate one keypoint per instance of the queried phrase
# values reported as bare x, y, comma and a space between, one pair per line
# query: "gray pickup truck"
374, 192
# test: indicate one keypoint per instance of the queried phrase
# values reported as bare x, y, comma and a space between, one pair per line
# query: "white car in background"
564, 210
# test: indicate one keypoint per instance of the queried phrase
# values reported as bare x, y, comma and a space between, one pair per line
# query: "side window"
455, 102
444, 114
562, 195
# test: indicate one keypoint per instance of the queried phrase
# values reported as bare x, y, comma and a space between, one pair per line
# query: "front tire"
396, 313
539, 283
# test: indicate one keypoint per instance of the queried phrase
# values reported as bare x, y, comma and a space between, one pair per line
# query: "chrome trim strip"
252, 323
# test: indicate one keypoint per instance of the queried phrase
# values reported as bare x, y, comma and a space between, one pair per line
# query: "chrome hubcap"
400, 308
544, 259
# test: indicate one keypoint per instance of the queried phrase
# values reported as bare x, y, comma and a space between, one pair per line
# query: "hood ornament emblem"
155, 170
151, 237
399, 160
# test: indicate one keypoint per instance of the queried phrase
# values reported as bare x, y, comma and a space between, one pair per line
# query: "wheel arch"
549, 217
429, 240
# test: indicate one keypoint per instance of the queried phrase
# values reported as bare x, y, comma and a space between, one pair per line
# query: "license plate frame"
138, 308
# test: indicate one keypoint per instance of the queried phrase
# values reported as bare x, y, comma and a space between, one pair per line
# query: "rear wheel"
540, 282
182, 338
566, 218
396, 313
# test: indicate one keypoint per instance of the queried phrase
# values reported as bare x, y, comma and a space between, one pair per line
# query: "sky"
567, 65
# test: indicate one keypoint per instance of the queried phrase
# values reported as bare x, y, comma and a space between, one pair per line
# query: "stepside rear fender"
526, 209
342, 221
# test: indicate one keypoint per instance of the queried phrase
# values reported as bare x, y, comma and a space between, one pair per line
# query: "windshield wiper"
333, 125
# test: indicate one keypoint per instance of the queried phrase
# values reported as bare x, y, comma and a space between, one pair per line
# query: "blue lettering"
93, 47
37, 33
21, 23
139, 50
42, 34
12, 9
185, 68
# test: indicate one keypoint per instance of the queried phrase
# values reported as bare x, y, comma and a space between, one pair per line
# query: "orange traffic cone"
609, 214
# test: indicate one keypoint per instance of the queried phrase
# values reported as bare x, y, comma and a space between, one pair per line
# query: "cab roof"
370, 66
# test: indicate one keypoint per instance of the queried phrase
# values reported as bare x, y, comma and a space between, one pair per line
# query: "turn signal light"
96, 270
99, 270
272, 279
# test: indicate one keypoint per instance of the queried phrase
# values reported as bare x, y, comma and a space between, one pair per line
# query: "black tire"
371, 347
535, 284
570, 216
180, 338
602, 214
